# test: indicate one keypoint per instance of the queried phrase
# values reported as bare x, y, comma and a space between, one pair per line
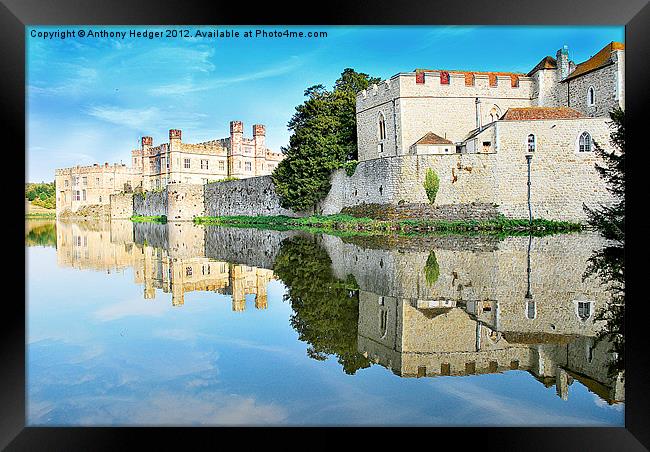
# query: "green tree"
431, 185
325, 309
324, 138
608, 262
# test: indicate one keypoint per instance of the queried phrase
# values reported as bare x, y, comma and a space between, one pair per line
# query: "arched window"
382, 127
531, 143
591, 96
584, 142
584, 310
495, 113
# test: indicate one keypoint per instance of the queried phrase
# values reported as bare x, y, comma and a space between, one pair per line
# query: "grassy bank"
162, 219
350, 224
47, 215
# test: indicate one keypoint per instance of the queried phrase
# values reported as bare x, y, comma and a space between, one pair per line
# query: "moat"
185, 324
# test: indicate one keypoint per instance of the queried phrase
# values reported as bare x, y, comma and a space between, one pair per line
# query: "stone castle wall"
121, 205
251, 196
185, 202
150, 204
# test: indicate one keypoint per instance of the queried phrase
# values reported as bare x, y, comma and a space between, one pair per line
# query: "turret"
236, 137
562, 57
174, 139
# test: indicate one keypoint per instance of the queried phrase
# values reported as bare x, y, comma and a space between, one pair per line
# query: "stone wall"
448, 212
252, 196
121, 205
260, 246
150, 204
185, 202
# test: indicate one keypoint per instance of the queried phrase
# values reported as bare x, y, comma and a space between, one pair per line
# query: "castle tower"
235, 151
175, 163
562, 57
259, 137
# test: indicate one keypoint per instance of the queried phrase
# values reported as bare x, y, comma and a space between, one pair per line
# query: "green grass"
40, 215
162, 219
348, 224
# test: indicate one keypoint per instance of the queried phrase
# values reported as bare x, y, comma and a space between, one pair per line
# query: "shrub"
431, 185
431, 269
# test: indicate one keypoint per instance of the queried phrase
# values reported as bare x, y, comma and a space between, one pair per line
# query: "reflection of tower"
176, 283
562, 383
149, 289
237, 283
261, 300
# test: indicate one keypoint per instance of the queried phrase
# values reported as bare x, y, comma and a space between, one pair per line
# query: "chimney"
562, 57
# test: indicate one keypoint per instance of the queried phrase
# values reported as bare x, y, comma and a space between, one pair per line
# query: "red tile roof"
601, 59
532, 113
546, 63
432, 138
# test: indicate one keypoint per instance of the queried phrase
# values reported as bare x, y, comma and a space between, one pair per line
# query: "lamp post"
529, 157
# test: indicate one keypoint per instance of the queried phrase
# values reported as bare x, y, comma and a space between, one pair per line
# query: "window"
531, 143
84, 194
204, 164
188, 271
97, 179
591, 96
84, 180
531, 311
584, 142
444, 78
584, 310
186, 163
248, 166
221, 165
66, 183
100, 199
76, 195
383, 322
382, 127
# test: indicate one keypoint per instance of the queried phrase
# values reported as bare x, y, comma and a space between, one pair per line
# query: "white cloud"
188, 86
130, 308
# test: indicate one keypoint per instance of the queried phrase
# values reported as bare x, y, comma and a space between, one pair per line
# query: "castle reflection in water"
427, 307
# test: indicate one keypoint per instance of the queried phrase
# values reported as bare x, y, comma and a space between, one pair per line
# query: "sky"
90, 99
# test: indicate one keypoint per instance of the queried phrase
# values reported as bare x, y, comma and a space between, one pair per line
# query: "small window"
84, 194
100, 199
584, 310
383, 322
382, 126
531, 143
221, 165
187, 163
248, 166
204, 164
66, 182
380, 148
188, 271
584, 143
84, 180
591, 96
97, 179
531, 310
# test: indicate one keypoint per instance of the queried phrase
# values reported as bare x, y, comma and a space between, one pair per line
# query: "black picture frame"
634, 14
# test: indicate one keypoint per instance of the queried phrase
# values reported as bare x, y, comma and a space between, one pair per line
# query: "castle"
153, 167
500, 143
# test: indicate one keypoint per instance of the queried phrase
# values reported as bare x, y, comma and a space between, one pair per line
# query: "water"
178, 324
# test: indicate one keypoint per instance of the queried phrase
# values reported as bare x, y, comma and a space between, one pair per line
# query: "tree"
324, 138
609, 220
325, 308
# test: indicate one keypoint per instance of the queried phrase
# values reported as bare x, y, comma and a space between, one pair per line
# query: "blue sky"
90, 99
